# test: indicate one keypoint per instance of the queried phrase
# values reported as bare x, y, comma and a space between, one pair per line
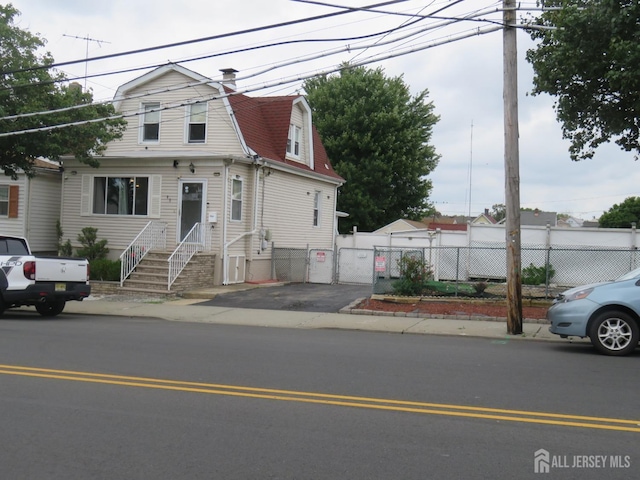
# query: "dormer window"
293, 141
151, 122
197, 127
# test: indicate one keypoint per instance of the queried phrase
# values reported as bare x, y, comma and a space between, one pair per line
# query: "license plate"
61, 287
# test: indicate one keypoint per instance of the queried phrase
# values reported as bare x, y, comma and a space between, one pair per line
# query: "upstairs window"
236, 199
293, 141
316, 210
120, 195
151, 122
197, 128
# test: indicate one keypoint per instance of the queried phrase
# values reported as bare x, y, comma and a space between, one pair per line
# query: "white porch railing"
195, 241
153, 235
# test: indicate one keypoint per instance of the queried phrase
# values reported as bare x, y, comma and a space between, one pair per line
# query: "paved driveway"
304, 297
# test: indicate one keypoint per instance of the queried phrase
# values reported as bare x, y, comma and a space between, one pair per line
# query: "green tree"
377, 137
588, 57
623, 215
499, 211
28, 85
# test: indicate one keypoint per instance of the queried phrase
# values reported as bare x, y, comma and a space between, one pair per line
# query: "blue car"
608, 313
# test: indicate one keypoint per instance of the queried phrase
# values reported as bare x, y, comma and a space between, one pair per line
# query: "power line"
197, 40
269, 69
265, 86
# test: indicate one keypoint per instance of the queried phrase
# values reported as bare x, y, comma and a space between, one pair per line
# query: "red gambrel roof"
264, 123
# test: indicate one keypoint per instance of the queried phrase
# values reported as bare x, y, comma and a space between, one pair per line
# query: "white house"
202, 163
30, 207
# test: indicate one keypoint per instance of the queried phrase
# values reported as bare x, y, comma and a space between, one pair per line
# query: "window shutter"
14, 191
85, 196
156, 184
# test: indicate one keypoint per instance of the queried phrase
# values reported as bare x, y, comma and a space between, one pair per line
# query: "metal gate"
321, 266
350, 265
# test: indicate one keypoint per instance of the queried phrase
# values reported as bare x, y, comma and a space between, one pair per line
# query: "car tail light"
29, 270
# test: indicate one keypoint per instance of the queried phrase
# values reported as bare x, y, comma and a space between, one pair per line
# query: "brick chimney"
229, 77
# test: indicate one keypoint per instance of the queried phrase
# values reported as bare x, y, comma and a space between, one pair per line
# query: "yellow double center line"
328, 399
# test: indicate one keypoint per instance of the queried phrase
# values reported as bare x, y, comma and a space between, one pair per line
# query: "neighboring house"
538, 218
402, 225
30, 207
484, 219
570, 222
197, 158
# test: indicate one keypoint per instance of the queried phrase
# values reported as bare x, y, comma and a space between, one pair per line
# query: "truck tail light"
88, 270
29, 270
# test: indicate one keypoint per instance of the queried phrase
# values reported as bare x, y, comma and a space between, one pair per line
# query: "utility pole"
512, 170
87, 39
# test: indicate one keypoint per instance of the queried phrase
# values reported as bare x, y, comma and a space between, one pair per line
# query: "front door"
192, 195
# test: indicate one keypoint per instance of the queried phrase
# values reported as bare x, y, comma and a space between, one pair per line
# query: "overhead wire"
189, 42
269, 69
264, 86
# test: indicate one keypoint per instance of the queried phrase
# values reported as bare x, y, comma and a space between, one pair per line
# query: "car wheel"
50, 309
614, 333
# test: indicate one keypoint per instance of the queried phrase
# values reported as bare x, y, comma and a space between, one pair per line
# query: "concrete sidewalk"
184, 310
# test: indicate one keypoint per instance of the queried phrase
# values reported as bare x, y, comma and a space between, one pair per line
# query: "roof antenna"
86, 54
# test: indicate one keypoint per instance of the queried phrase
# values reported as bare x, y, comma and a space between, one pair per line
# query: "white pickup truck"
45, 282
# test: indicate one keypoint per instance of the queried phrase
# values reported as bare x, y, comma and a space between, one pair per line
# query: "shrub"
104, 269
65, 249
415, 274
480, 287
92, 248
533, 275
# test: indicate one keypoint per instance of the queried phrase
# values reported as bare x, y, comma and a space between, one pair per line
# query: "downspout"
226, 244
225, 206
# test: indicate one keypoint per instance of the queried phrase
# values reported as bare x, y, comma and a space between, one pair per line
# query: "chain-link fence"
545, 271
289, 264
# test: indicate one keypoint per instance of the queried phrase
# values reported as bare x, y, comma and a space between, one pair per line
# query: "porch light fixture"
192, 168
176, 163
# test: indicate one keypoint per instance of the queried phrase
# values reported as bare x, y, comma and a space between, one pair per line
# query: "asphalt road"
137, 398
301, 297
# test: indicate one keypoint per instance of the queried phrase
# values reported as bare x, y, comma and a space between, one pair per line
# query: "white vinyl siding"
219, 128
289, 201
45, 193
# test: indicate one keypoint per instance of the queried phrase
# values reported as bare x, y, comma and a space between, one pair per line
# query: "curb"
350, 309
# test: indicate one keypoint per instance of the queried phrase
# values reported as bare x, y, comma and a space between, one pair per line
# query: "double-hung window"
316, 209
236, 199
4, 200
120, 195
151, 122
9, 201
197, 127
293, 141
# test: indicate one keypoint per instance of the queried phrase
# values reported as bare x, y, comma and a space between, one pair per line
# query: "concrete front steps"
151, 275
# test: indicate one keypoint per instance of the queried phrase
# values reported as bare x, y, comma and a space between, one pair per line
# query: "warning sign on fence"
381, 264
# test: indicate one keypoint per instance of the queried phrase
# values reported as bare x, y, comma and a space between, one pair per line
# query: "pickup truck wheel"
50, 309
614, 333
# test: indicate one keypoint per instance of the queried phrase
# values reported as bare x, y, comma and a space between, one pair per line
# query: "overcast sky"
463, 77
